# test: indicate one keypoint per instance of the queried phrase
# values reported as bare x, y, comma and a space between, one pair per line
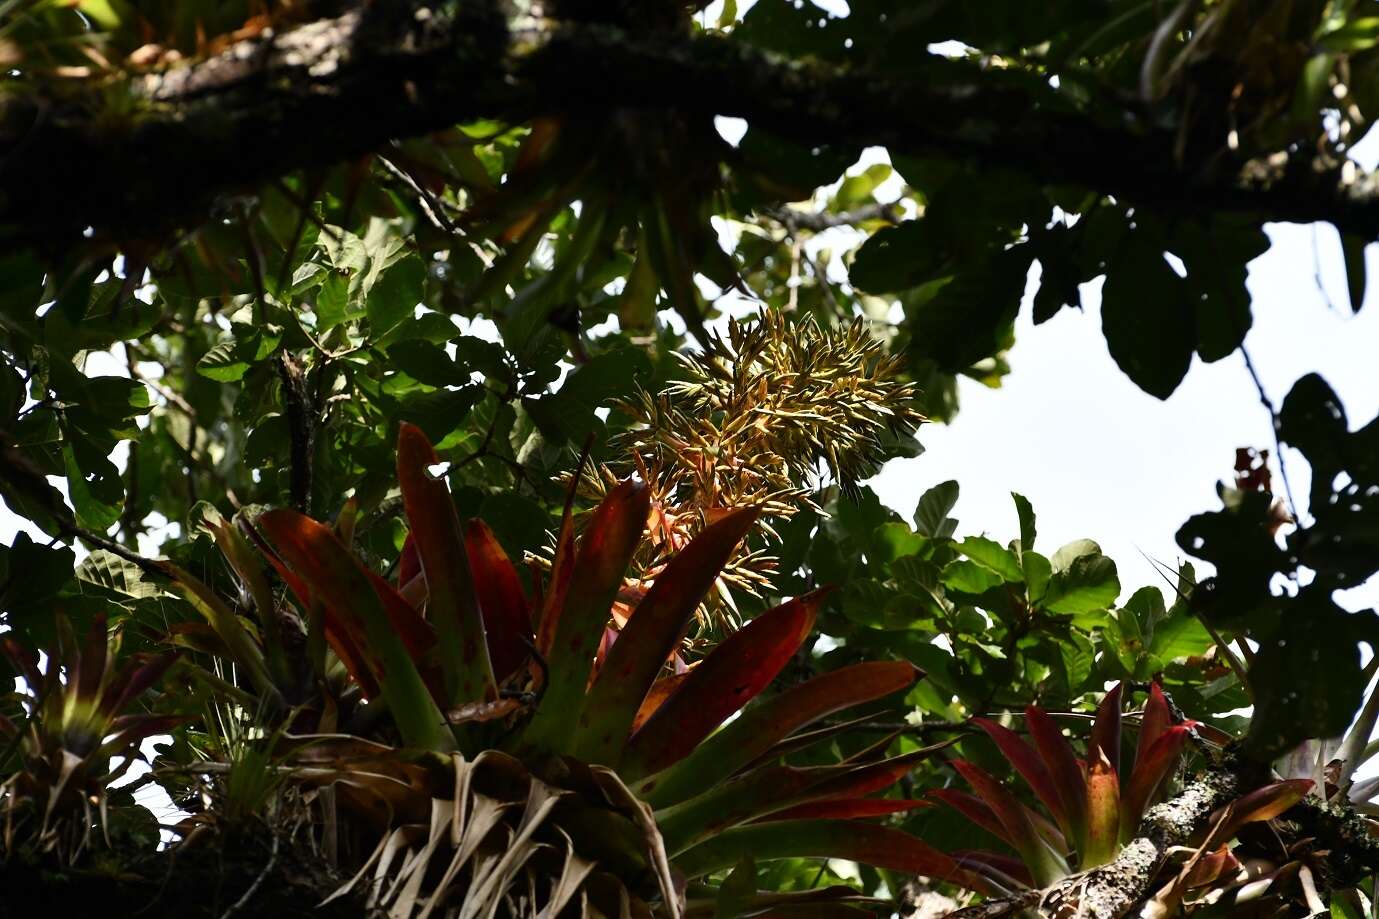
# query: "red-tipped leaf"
1044, 864
1031, 768
652, 634
849, 809
739, 668
866, 843
974, 809
1103, 812
1106, 730
1152, 766
337, 579
506, 612
1156, 720
451, 605
604, 552
1064, 770
1261, 804
408, 561
762, 726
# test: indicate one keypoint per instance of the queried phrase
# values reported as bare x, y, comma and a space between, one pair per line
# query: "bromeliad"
567, 745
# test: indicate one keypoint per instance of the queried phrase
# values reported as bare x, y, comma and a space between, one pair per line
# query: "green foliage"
501, 296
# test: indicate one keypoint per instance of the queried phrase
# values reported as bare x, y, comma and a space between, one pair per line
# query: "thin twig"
258, 881
1278, 438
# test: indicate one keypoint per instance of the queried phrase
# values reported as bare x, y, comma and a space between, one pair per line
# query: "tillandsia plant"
1095, 807
75, 715
755, 419
541, 761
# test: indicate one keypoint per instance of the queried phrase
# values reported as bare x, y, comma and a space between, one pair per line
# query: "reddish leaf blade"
739, 668
974, 809
1044, 864
1106, 730
91, 666
1061, 761
1151, 768
1103, 812
1031, 767
1156, 720
136, 679
562, 567
652, 635
507, 615
1211, 867
408, 562
660, 691
340, 582
343, 633
869, 844
775, 788
605, 550
849, 809
761, 727
1009, 872
1261, 804
451, 604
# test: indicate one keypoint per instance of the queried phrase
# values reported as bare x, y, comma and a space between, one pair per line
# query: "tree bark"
186, 139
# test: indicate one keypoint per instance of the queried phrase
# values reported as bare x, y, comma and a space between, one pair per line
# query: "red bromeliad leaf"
337, 579
135, 680
562, 567
416, 633
1009, 872
1211, 867
1106, 730
731, 676
1261, 804
91, 667
343, 633
857, 841
451, 605
1156, 720
1103, 812
974, 809
651, 636
1151, 768
660, 691
605, 550
408, 562
1045, 864
1061, 761
761, 727
848, 809
746, 798
1031, 767
506, 612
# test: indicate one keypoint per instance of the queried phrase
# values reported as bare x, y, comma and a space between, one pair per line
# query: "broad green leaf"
1089, 584
1026, 514
1066, 555
992, 555
931, 514
1148, 319
969, 577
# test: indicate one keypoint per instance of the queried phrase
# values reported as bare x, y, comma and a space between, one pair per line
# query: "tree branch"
341, 87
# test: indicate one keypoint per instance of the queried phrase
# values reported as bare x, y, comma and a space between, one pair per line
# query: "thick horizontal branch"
179, 143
